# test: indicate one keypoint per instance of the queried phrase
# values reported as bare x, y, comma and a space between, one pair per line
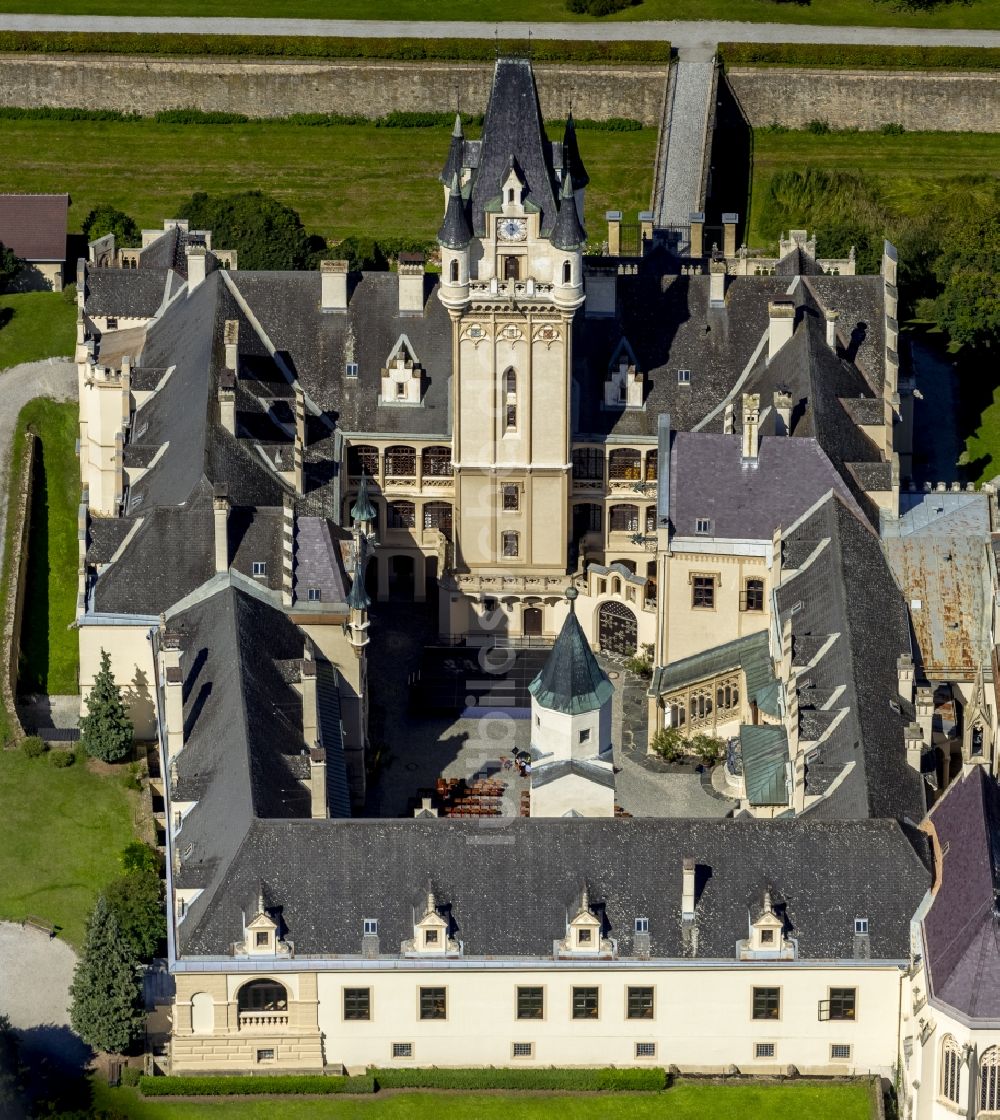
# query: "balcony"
262, 1020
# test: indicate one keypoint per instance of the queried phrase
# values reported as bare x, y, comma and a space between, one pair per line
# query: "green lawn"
49, 650
977, 13
687, 1100
61, 831
343, 180
35, 325
910, 168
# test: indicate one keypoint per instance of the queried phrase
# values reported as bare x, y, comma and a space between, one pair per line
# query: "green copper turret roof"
571, 681
363, 510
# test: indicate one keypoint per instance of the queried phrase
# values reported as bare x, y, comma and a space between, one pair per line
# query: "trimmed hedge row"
568, 1080
308, 46
859, 56
231, 1086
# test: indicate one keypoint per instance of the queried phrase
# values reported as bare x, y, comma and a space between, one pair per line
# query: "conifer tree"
106, 1007
106, 731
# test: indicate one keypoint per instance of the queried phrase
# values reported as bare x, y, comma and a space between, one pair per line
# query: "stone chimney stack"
317, 784
831, 318
729, 224
905, 678
783, 412
197, 265
751, 426
925, 714
410, 270
333, 285
697, 236
220, 509
717, 283
687, 889
287, 550
614, 220
780, 324
729, 419
227, 401
310, 702
173, 692
231, 338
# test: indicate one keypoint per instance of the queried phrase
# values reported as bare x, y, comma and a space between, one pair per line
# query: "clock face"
512, 229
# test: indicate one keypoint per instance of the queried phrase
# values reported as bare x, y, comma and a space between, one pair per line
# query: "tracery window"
951, 1069
588, 463
362, 459
624, 519
624, 464
400, 462
436, 461
401, 515
989, 1081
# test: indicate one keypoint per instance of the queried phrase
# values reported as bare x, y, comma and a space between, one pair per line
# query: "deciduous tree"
10, 265
107, 219
265, 233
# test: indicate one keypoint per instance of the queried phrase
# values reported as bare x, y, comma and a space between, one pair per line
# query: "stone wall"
277, 88
868, 99
20, 510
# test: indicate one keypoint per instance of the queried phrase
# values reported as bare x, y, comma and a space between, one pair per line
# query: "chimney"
913, 741
220, 508
776, 557
780, 324
728, 419
751, 425
717, 283
697, 236
333, 285
687, 889
231, 338
729, 224
287, 550
646, 227
317, 784
783, 412
197, 265
925, 714
904, 678
227, 401
410, 270
310, 703
173, 692
831, 318
369, 947
614, 218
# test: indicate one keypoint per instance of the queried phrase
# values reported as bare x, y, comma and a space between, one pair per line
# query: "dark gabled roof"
860, 300
317, 561
455, 232
34, 225
962, 928
567, 233
571, 158
127, 293
750, 653
513, 128
571, 681
329, 875
550, 771
848, 615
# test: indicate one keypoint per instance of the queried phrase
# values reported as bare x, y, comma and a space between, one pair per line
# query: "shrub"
818, 128
892, 129
709, 749
132, 779
137, 856
600, 7
63, 759
131, 1076
640, 665
224, 1086
669, 744
266, 233
566, 1080
10, 265
33, 747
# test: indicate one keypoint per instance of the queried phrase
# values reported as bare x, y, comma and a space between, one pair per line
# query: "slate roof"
330, 875
961, 931
846, 610
571, 681
709, 479
541, 775
455, 232
317, 561
127, 293
567, 232
513, 128
34, 225
572, 161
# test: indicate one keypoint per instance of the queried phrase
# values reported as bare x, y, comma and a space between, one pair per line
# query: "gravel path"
693, 33
682, 168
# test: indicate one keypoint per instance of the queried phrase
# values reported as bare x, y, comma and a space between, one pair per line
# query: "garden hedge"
565, 1080
308, 46
859, 56
225, 1086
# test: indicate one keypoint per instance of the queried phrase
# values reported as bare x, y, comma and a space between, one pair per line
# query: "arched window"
616, 586
567, 272
436, 462
262, 995
437, 515
624, 519
362, 460
202, 1013
989, 1081
401, 515
951, 1069
453, 272
623, 464
510, 195
400, 462
510, 383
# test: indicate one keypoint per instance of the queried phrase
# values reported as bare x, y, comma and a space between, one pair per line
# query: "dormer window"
351, 369
703, 526
259, 568
370, 926
860, 926
510, 195
683, 377
642, 925
584, 932
767, 936
431, 930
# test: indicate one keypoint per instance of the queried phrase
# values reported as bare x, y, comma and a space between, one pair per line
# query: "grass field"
910, 168
687, 1100
343, 180
977, 13
36, 325
60, 835
49, 650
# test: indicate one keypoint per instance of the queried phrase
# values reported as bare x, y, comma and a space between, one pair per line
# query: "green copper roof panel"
765, 752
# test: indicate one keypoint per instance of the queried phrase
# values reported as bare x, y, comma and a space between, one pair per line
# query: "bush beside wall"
565, 1080
225, 1086
859, 56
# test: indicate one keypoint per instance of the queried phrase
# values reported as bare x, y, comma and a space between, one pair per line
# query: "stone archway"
617, 629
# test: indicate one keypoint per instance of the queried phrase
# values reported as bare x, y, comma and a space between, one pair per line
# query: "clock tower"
512, 279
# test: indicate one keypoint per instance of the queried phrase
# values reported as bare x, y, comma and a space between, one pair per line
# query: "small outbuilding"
34, 226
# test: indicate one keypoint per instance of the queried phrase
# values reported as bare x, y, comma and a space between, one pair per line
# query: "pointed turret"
455, 232
571, 681
363, 510
456, 154
572, 161
567, 233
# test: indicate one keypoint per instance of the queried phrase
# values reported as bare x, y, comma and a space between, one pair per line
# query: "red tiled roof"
34, 225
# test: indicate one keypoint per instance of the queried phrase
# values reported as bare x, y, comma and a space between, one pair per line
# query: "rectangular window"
588, 464
511, 416
259, 568
583, 936
703, 592
351, 369
585, 735
530, 1003
839, 1052
357, 1003
703, 525
860, 925
262, 939
683, 377
371, 925
645, 1049
511, 497
430, 937
585, 1003
265, 1055
640, 1003
433, 1003
400, 388
402, 1049
843, 1003
767, 937
642, 925
752, 598
766, 1003
510, 546
315, 595
763, 1050
523, 1050
112, 323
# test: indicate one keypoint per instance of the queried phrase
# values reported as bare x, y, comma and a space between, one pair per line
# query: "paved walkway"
694, 33
692, 91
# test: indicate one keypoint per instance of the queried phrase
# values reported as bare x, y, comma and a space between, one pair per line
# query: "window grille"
763, 1050
511, 497
587, 519
510, 544
362, 460
401, 515
624, 465
265, 1055
645, 1049
523, 1049
437, 515
588, 464
840, 1052
752, 597
624, 519
400, 462
703, 592
511, 416
650, 466
402, 1049
989, 1081
437, 462
951, 1070
766, 1003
